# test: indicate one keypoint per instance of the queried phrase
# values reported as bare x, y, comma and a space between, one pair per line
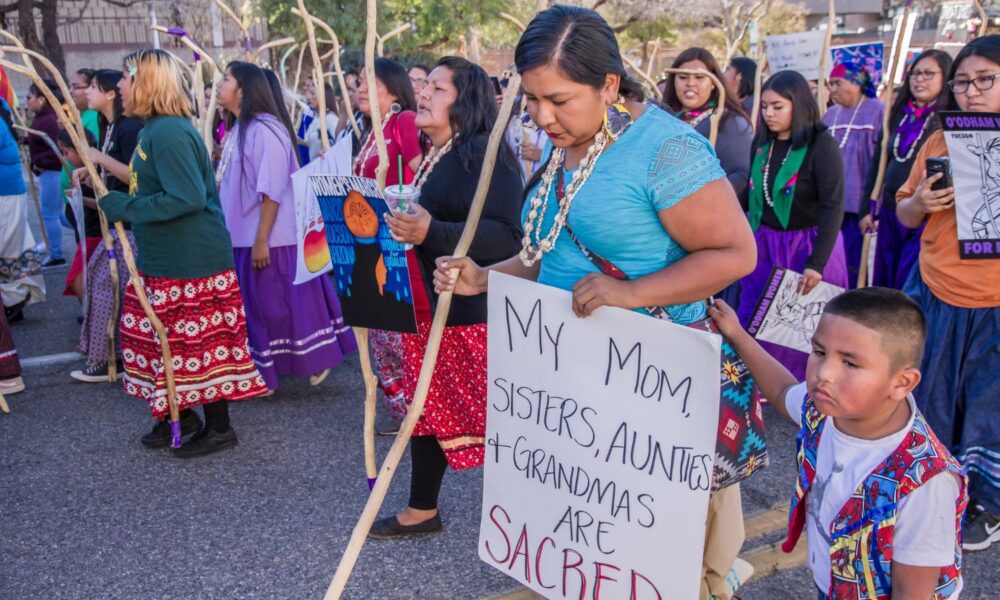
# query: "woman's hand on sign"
930, 201
80, 176
469, 279
260, 256
596, 290
409, 227
725, 317
810, 279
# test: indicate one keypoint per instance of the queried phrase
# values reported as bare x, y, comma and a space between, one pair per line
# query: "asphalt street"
86, 512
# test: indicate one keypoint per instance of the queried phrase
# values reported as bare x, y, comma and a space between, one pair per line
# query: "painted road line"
50, 359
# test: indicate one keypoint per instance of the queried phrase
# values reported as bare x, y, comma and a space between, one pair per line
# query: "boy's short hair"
891, 313
67, 141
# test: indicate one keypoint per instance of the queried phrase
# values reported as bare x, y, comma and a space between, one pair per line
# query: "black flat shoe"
205, 442
159, 436
390, 528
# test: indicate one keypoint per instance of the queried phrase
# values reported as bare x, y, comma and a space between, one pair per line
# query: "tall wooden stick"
339, 71
272, 44
883, 156
4, 408
720, 89
395, 32
821, 91
757, 80
374, 503
983, 26
649, 81
247, 40
863, 267
517, 22
74, 129
298, 77
282, 71
317, 72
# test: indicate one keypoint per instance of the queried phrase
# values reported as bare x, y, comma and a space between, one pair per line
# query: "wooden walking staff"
415, 411
720, 90
78, 131
983, 26
317, 66
395, 32
338, 71
883, 155
4, 408
205, 126
821, 84
75, 129
757, 81
247, 40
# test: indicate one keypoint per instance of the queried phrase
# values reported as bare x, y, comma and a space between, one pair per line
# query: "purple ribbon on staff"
111, 254
181, 32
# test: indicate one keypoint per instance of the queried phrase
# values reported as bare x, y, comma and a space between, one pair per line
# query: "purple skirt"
896, 250
854, 240
291, 329
787, 250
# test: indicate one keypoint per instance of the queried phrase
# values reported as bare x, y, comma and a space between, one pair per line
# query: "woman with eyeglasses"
418, 77
914, 117
855, 120
960, 392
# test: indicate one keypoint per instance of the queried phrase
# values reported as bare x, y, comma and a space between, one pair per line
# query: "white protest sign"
787, 318
600, 439
313, 256
973, 140
795, 52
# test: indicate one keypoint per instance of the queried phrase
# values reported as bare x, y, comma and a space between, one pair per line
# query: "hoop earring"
395, 108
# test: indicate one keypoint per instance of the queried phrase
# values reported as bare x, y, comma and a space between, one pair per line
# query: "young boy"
880, 498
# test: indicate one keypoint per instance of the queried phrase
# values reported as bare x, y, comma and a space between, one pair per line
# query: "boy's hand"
725, 317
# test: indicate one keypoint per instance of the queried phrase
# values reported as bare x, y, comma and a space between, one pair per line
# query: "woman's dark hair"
806, 120
474, 111
67, 142
747, 69
52, 86
87, 74
107, 81
904, 95
730, 104
396, 81
279, 103
257, 99
580, 43
987, 47
331, 99
422, 67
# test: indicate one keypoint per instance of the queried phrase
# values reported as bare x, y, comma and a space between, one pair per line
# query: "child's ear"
904, 382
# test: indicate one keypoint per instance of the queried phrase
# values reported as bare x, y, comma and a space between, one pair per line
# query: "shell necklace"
850, 124
105, 147
532, 252
430, 161
767, 173
228, 147
369, 148
704, 115
913, 146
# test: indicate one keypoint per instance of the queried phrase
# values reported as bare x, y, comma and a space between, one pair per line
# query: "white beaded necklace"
369, 148
430, 161
532, 252
913, 146
105, 147
228, 147
767, 173
850, 124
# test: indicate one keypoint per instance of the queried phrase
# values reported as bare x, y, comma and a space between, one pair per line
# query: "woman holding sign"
795, 200
185, 261
631, 209
456, 111
913, 119
292, 329
960, 391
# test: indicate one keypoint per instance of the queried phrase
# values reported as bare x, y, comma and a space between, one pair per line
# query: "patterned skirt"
20, 260
455, 411
94, 333
206, 329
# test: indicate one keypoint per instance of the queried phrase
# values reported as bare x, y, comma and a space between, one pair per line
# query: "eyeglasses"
418, 81
923, 75
982, 83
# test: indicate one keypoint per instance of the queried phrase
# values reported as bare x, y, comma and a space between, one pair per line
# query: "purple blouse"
856, 131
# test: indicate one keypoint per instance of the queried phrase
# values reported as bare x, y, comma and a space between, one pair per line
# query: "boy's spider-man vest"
862, 532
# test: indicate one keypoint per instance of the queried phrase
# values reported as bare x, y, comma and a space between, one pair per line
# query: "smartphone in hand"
939, 165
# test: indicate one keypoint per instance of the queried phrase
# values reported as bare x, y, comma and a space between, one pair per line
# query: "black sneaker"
96, 373
205, 442
980, 530
53, 262
390, 528
15, 313
159, 436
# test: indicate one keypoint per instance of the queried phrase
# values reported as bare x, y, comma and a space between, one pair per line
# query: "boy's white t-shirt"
924, 534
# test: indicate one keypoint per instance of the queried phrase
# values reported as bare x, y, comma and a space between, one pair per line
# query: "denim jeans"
51, 198
821, 595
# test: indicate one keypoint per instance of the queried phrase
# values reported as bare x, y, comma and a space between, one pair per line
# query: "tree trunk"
473, 46
50, 35
26, 25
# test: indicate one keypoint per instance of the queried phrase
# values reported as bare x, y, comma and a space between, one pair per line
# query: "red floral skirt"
207, 332
455, 411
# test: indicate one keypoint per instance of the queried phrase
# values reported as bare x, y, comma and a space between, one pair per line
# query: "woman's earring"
395, 108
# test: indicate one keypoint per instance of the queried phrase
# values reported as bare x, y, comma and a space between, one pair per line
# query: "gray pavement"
86, 512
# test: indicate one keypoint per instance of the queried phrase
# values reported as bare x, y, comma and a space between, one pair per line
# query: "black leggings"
429, 465
216, 415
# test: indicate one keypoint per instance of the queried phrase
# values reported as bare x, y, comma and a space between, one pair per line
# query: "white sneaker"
318, 378
11, 386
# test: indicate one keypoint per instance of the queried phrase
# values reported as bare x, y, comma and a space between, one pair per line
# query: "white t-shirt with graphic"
924, 533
